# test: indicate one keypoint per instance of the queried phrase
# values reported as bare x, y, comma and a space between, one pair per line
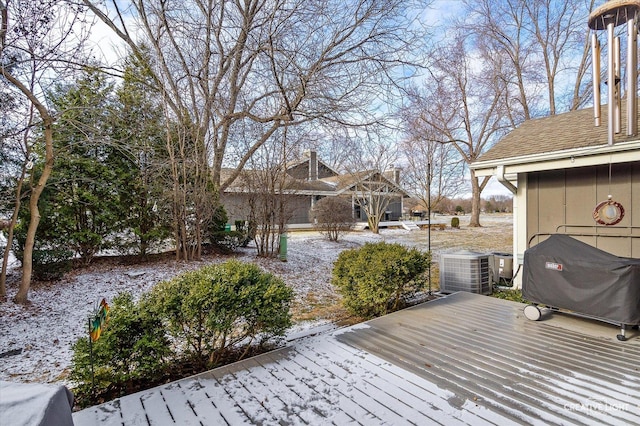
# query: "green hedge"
190, 323
133, 349
455, 222
219, 306
377, 278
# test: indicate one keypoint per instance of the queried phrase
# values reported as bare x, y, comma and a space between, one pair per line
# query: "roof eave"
621, 152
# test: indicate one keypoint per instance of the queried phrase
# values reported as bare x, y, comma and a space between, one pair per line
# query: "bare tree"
557, 28
499, 29
371, 189
227, 66
464, 105
333, 217
582, 86
499, 203
434, 171
38, 39
538, 44
189, 189
270, 194
333, 146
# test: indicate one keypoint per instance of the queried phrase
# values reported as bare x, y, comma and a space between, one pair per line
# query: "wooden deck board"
428, 407
132, 410
197, 399
305, 402
373, 398
517, 367
243, 397
283, 403
212, 393
462, 359
180, 405
156, 408
326, 382
99, 415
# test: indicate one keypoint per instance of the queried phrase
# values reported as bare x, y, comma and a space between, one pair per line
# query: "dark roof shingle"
571, 130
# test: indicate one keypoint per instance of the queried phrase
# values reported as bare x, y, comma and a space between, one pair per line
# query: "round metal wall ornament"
608, 213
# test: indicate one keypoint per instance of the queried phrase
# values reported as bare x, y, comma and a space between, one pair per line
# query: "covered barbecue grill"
567, 274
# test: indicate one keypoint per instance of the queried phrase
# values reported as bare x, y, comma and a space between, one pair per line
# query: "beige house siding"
236, 205
568, 197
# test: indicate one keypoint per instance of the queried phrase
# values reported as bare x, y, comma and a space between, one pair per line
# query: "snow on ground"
36, 339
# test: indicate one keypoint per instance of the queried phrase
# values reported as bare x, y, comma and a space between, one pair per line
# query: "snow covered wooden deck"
463, 359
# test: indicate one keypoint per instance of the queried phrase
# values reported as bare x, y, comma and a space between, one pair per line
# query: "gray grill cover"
568, 274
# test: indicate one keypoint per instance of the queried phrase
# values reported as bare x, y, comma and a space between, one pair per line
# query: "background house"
308, 180
559, 168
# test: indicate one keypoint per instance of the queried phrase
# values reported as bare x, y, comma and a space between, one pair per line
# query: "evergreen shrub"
229, 241
220, 307
455, 222
132, 349
50, 259
189, 324
50, 265
377, 278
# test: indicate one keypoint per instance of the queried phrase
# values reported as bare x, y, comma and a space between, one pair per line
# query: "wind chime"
606, 18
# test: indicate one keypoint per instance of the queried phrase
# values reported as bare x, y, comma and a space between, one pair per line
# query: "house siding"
568, 197
307, 182
299, 207
237, 207
395, 210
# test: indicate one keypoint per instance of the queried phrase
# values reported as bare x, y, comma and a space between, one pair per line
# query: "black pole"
429, 217
93, 377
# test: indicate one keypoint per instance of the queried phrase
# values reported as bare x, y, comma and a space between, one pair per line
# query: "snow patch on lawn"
36, 339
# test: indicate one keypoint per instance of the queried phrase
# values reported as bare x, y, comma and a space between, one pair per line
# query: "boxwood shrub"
185, 325
133, 350
377, 278
219, 307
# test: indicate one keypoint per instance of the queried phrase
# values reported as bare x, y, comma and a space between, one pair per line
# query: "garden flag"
98, 320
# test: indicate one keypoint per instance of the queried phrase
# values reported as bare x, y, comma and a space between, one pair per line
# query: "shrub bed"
194, 322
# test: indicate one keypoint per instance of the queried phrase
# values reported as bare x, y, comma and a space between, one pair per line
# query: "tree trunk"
477, 188
373, 224
475, 201
7, 250
16, 212
27, 263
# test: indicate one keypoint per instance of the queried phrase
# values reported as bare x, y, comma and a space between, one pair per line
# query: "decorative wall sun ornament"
608, 212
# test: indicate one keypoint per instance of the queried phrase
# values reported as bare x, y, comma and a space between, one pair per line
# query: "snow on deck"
462, 359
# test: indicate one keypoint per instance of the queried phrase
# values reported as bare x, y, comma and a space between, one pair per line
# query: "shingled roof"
571, 130
333, 184
240, 184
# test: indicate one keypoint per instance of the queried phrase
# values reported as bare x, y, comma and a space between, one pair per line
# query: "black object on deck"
567, 274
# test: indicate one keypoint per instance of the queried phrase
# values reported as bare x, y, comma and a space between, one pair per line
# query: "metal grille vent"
465, 272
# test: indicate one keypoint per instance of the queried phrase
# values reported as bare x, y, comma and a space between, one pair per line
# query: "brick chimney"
313, 165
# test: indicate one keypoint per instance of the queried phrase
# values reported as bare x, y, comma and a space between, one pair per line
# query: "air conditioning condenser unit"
465, 271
